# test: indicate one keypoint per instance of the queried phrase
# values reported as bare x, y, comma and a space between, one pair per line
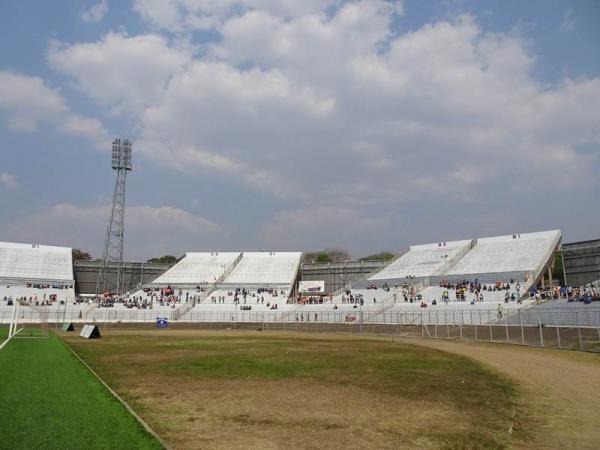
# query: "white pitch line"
8, 339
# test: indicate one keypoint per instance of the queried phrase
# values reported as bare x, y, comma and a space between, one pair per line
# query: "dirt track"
561, 389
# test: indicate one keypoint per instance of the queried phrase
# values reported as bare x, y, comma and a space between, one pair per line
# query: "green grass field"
254, 390
48, 399
272, 390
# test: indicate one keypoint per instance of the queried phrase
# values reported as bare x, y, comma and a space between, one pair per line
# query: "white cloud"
325, 226
180, 15
9, 181
568, 22
28, 102
85, 127
96, 12
149, 231
125, 73
259, 37
337, 108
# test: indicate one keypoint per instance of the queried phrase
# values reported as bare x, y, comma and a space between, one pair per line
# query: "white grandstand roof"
35, 262
511, 253
266, 268
198, 267
422, 260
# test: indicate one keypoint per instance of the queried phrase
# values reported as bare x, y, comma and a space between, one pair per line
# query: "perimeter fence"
574, 327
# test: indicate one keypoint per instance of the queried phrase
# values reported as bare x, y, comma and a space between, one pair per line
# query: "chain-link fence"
569, 327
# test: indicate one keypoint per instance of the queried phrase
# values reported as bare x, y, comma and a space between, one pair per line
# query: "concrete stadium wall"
336, 275
86, 274
582, 262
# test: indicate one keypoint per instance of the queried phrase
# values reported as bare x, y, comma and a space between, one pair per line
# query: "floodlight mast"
111, 275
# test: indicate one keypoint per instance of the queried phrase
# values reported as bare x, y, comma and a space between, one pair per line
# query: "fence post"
557, 332
541, 334
461, 323
490, 324
361, 320
506, 326
578, 331
522, 331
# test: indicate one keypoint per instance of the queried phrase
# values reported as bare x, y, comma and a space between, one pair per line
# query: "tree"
558, 269
381, 256
80, 255
166, 259
322, 257
326, 256
338, 255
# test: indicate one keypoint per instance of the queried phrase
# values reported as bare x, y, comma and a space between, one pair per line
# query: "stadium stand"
33, 262
198, 268
424, 261
221, 281
265, 269
517, 257
233, 270
39, 273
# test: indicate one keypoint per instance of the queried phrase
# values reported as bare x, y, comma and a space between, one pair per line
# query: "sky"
295, 126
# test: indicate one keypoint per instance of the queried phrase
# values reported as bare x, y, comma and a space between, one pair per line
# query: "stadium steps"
180, 312
88, 310
362, 281
385, 307
454, 260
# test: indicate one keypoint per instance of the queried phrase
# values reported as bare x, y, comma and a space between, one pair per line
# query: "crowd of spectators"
312, 299
33, 300
153, 296
464, 287
242, 296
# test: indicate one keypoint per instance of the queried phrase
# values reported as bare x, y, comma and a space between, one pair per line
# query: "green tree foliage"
80, 255
322, 257
381, 256
166, 259
558, 270
327, 255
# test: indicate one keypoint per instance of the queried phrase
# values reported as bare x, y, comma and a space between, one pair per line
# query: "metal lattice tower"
110, 278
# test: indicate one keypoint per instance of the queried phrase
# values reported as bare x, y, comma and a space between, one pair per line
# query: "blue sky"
257, 124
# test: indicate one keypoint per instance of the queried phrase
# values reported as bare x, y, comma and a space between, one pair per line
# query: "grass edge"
129, 409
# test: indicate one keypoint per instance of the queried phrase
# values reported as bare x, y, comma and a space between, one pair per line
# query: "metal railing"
575, 328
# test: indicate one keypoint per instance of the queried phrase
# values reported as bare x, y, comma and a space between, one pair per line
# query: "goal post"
14, 319
37, 321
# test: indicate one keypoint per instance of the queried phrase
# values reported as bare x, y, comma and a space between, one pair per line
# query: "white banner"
312, 287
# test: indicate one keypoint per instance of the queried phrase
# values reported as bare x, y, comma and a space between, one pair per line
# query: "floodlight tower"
110, 277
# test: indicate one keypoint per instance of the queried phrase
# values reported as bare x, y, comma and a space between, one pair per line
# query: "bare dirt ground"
557, 405
560, 389
240, 389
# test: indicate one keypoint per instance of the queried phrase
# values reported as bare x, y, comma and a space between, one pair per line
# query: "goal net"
28, 321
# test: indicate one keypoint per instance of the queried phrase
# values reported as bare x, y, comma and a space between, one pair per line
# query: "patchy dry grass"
559, 392
222, 389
